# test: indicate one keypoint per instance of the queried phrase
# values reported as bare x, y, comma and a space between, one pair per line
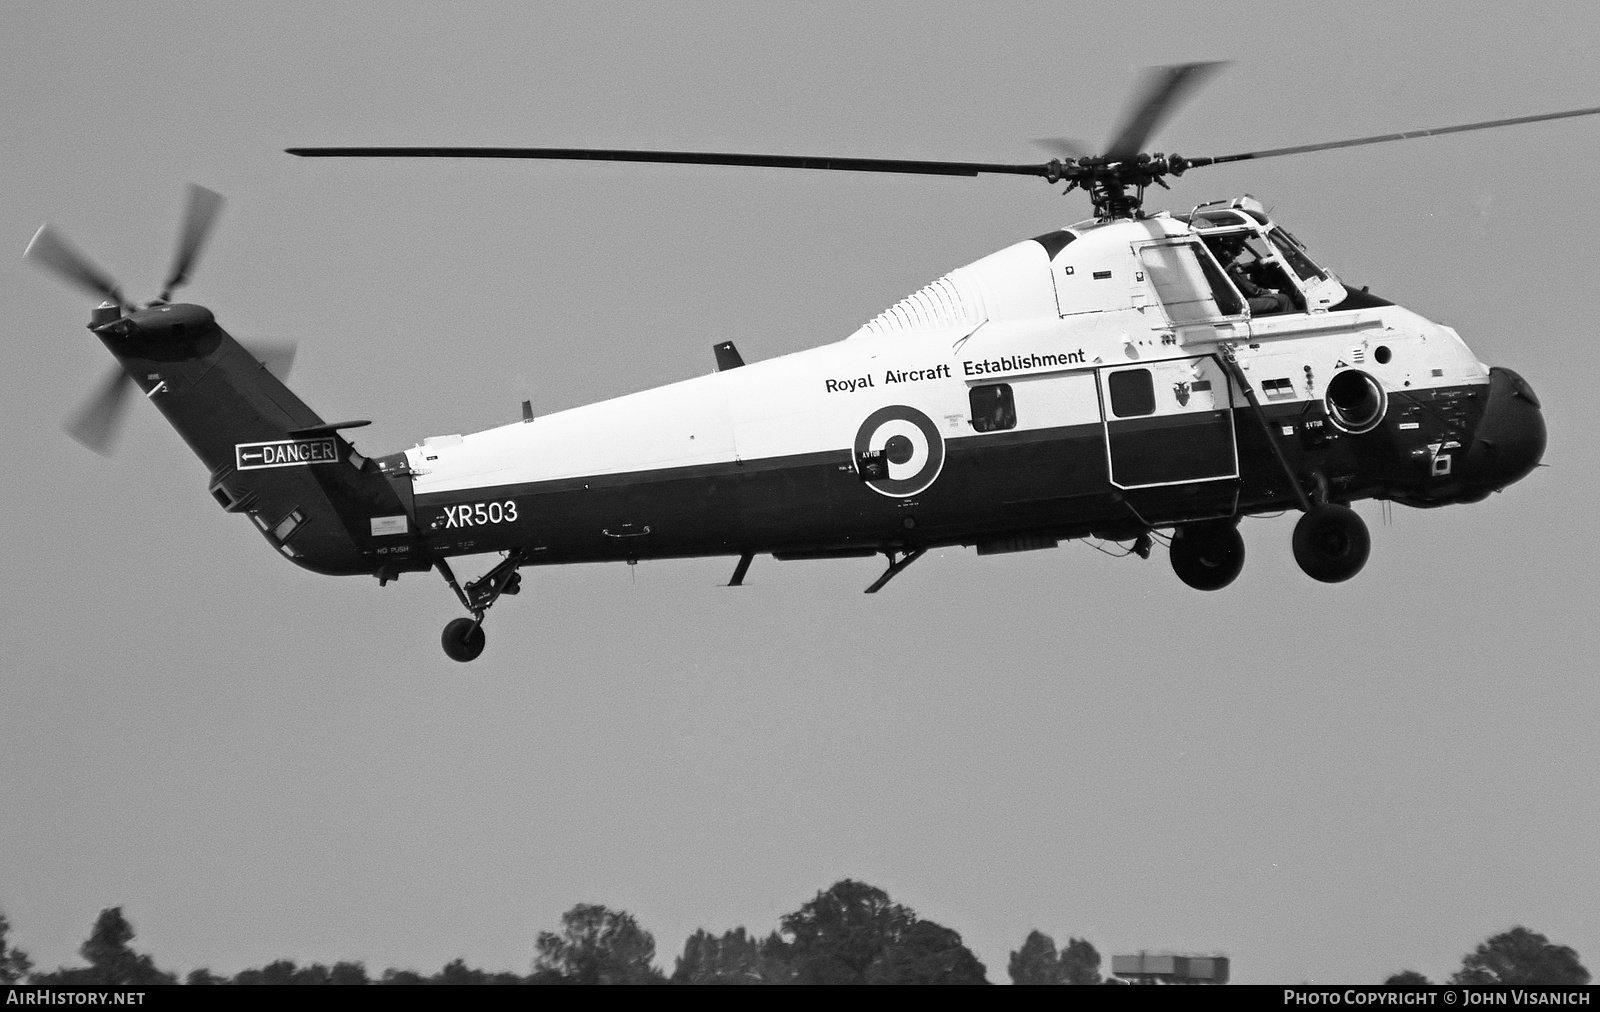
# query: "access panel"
1168, 422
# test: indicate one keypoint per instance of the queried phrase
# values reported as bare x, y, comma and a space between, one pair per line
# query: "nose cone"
1510, 438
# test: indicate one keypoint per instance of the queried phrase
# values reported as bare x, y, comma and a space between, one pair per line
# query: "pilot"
1245, 271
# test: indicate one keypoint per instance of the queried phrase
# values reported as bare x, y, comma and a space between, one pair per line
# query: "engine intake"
1356, 401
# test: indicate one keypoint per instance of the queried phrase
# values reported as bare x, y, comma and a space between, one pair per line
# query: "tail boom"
312, 495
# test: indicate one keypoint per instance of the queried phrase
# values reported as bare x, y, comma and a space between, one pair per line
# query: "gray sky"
1325, 782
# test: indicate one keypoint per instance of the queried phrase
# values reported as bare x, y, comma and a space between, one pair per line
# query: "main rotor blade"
276, 356
199, 216
1164, 88
1063, 147
100, 418
927, 168
52, 252
1402, 136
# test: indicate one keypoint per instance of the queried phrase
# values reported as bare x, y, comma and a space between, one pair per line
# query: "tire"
1207, 556
1331, 543
463, 639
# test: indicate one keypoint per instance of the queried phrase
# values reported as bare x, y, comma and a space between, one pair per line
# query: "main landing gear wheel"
1331, 543
1207, 556
463, 639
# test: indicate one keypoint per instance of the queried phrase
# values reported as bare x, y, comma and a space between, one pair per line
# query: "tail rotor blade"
98, 422
1164, 88
203, 207
52, 252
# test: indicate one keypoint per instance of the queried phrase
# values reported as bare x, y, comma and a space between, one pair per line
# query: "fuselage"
1106, 379
1091, 381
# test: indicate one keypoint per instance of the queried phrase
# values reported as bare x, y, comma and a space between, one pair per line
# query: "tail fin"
316, 499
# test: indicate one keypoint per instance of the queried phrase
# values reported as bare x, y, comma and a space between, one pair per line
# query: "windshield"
1294, 255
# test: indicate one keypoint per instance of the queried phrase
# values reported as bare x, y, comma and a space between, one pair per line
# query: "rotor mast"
1107, 183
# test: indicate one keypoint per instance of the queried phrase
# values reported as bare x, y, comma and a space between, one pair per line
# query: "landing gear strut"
1207, 556
907, 557
463, 638
1331, 542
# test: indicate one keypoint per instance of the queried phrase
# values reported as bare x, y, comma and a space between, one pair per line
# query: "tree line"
849, 933
1518, 956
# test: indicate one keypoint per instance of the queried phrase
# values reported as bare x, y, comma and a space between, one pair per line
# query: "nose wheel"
463, 638
1331, 543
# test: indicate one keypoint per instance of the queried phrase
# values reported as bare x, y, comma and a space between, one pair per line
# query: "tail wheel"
1207, 556
1331, 543
463, 639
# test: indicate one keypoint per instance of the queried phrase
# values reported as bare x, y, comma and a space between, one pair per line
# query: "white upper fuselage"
1042, 324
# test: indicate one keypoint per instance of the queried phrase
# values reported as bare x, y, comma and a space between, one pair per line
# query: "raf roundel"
912, 444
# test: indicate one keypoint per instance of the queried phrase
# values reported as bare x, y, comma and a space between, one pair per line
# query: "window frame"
1230, 303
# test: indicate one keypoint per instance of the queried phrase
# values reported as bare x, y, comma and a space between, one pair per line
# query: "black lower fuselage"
1001, 491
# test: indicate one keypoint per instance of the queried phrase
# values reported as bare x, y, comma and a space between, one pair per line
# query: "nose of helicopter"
1510, 437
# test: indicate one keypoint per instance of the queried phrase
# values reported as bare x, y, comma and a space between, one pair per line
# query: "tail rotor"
50, 250
97, 422
198, 218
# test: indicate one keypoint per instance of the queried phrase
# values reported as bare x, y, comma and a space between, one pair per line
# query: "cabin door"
1169, 434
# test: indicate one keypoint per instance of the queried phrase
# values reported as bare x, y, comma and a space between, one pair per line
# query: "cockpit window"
1294, 255
1228, 301
1256, 270
1188, 284
1218, 219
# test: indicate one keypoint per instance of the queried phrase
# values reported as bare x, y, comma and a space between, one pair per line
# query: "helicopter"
1117, 378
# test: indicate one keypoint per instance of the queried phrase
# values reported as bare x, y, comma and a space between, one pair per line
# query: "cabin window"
993, 408
1133, 393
